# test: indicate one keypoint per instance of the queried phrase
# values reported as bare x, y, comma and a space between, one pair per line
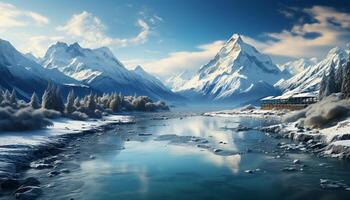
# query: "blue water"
128, 166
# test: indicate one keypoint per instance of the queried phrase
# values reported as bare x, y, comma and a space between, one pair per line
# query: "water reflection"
232, 162
152, 169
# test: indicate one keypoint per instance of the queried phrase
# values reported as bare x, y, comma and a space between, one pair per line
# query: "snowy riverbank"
248, 111
332, 141
19, 149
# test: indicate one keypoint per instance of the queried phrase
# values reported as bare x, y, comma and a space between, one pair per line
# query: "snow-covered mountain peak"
297, 66
139, 69
177, 81
4, 44
237, 68
336, 51
309, 79
105, 52
83, 63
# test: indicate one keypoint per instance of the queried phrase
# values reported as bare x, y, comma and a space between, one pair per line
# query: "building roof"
268, 98
289, 95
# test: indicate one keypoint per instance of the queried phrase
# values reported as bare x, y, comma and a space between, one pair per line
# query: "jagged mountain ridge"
296, 66
237, 72
101, 70
177, 81
309, 79
26, 76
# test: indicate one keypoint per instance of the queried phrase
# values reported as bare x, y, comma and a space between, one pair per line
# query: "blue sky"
167, 37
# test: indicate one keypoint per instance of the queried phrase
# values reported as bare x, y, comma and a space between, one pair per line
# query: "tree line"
337, 81
20, 115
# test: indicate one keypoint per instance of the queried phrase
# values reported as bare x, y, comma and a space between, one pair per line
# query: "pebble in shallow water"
28, 192
296, 161
332, 184
53, 173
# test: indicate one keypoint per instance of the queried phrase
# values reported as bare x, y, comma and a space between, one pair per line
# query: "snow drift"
322, 114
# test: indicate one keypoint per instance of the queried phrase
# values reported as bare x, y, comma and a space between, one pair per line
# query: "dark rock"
332, 184
289, 169
296, 161
41, 166
28, 193
10, 184
30, 181
145, 134
53, 173
65, 171
217, 150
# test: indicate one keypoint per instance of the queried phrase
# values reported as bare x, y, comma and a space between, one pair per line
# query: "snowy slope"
177, 81
100, 69
238, 72
297, 66
30, 56
25, 75
23, 67
152, 80
310, 78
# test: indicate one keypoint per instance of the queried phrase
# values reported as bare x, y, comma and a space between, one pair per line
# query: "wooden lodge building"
289, 101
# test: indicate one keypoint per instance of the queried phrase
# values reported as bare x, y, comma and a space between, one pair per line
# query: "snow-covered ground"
333, 141
19, 149
60, 127
248, 111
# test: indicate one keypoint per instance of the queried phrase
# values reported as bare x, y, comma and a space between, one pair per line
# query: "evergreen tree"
91, 104
34, 103
339, 78
7, 96
70, 102
331, 83
114, 104
323, 86
52, 99
77, 103
346, 80
13, 98
1, 95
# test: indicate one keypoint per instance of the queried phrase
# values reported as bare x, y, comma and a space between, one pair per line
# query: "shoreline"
17, 156
333, 141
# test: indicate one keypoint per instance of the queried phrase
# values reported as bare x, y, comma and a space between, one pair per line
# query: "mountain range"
309, 79
237, 74
71, 66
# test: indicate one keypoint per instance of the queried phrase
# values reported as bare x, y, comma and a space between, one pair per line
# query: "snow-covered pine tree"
34, 101
70, 102
52, 99
114, 104
13, 97
77, 103
1, 95
323, 86
346, 80
331, 82
91, 104
339, 78
58, 100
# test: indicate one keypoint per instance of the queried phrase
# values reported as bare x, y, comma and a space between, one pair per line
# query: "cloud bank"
90, 31
12, 17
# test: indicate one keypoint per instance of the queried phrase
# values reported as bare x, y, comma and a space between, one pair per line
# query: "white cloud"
177, 62
38, 44
91, 32
330, 28
11, 16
